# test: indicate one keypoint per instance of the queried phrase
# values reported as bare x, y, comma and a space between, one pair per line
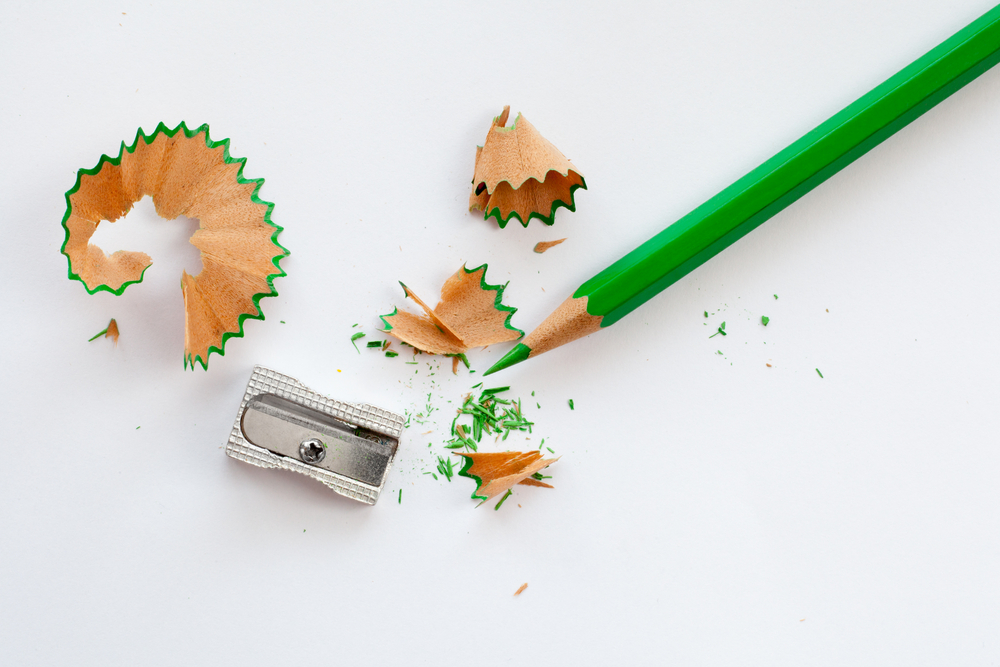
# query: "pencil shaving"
519, 174
542, 246
185, 173
470, 314
497, 473
111, 331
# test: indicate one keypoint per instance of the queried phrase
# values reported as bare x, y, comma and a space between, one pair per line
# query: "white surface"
708, 509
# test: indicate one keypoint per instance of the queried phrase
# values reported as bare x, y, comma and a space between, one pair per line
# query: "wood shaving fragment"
110, 332
185, 173
542, 246
524, 586
454, 365
531, 481
496, 473
519, 174
470, 314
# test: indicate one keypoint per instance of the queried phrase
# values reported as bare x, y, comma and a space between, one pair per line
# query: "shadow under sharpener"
282, 423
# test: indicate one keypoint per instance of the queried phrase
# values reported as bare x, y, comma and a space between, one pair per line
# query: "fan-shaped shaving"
185, 173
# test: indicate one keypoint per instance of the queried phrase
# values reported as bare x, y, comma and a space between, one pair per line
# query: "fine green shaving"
490, 415
354, 338
445, 467
98, 335
505, 497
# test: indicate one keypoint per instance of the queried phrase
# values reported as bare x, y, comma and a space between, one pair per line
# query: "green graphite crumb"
820, 374
376, 343
571, 407
400, 496
391, 353
706, 313
764, 319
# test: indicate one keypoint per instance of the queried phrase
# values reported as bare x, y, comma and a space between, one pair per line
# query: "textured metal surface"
264, 381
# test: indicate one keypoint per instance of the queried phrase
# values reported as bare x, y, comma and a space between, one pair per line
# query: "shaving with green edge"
470, 314
518, 174
497, 473
375, 343
186, 173
721, 330
354, 338
820, 374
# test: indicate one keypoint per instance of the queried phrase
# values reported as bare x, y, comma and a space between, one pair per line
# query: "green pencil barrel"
771, 187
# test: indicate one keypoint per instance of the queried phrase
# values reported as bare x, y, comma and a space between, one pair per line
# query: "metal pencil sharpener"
284, 424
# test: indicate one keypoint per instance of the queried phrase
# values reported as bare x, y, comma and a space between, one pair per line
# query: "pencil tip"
517, 354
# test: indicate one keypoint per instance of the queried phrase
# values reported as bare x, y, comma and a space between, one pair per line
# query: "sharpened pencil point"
518, 354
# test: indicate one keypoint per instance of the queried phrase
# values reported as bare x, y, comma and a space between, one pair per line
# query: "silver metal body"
284, 424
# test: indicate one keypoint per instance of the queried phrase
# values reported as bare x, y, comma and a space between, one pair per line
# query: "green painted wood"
727, 217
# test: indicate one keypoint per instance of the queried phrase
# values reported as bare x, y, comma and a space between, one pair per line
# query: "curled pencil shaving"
185, 173
496, 473
470, 314
542, 246
520, 174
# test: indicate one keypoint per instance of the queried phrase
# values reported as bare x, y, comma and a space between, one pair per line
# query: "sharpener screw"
312, 450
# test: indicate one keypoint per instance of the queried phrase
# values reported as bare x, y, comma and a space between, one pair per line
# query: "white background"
708, 509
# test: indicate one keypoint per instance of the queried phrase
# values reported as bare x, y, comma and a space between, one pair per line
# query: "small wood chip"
454, 365
112, 331
542, 246
769, 365
523, 586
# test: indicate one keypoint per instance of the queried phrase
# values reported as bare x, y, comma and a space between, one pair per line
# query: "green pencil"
728, 216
